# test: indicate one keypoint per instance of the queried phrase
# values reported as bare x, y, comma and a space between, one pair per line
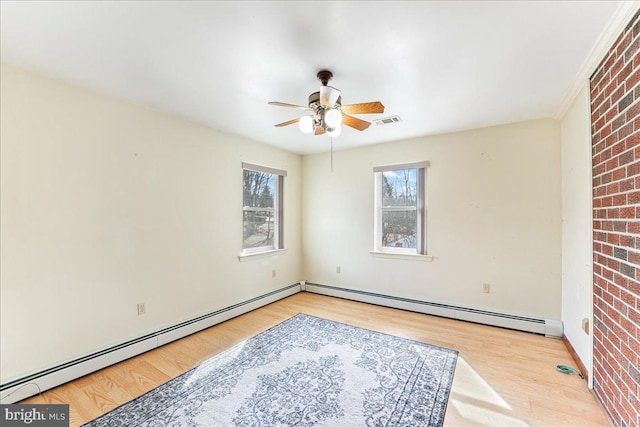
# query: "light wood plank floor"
503, 377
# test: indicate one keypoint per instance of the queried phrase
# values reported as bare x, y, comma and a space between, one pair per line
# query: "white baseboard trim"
22, 388
548, 327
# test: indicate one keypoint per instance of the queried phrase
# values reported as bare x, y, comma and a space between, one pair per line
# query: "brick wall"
615, 139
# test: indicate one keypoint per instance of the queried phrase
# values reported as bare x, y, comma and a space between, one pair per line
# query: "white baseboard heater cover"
27, 386
21, 388
548, 328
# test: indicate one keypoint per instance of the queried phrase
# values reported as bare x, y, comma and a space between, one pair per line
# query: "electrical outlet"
141, 309
273, 273
585, 326
338, 269
486, 288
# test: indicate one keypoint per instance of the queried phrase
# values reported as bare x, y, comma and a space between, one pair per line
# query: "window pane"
259, 228
399, 187
259, 189
399, 229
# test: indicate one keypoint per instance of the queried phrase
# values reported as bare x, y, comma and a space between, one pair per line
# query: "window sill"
258, 255
412, 257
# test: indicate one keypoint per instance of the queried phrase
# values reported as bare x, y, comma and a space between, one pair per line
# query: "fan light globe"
306, 124
334, 132
332, 118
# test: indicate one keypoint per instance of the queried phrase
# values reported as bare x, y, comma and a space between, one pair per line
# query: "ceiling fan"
328, 112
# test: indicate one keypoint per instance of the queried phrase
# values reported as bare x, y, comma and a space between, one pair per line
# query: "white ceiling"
440, 66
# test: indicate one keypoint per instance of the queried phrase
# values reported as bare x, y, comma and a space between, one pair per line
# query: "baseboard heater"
548, 327
27, 386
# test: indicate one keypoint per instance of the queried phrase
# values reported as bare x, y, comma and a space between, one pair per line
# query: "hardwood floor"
502, 378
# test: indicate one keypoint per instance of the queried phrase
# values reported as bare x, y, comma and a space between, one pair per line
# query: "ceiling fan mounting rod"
324, 76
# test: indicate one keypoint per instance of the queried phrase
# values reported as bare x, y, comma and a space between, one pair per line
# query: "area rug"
305, 371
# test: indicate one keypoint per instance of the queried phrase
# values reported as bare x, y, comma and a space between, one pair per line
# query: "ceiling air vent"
387, 120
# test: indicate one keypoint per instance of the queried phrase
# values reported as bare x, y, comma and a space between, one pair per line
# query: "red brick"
628, 212
619, 174
631, 51
634, 258
628, 299
609, 89
597, 101
620, 120
633, 169
622, 42
624, 73
613, 264
614, 315
614, 290
619, 200
617, 65
608, 274
618, 148
620, 307
633, 141
627, 185
633, 79
626, 130
626, 325
626, 241
633, 111
634, 315
597, 269
611, 56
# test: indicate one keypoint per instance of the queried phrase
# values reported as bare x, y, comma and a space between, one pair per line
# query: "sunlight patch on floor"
476, 401
213, 363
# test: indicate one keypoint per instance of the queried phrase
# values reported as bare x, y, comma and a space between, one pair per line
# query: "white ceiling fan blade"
328, 96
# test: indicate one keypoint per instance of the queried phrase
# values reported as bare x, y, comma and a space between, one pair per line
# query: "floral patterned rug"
305, 371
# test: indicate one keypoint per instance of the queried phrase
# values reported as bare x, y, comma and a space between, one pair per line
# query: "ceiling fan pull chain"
331, 153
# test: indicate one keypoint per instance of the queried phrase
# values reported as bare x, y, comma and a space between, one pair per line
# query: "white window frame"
278, 211
420, 208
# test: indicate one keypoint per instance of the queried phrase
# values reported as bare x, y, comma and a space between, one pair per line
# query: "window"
262, 209
400, 213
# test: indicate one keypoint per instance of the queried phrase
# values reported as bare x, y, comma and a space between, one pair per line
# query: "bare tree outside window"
259, 219
399, 205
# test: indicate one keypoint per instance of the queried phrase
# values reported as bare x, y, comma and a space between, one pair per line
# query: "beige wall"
105, 204
577, 281
494, 209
